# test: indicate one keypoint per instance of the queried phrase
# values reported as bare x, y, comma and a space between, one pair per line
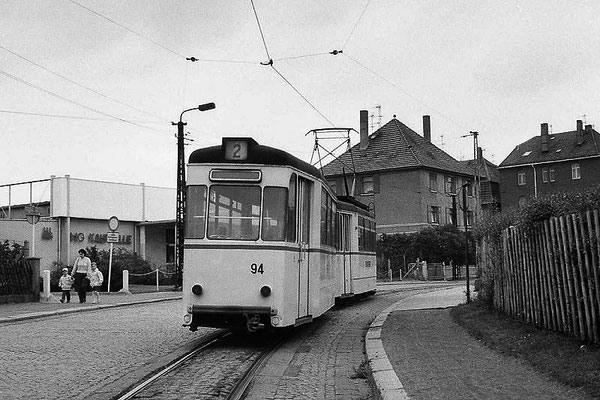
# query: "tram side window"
196, 212
290, 234
274, 209
328, 209
366, 234
234, 212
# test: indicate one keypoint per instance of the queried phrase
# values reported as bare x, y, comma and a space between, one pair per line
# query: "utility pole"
465, 209
180, 211
182, 192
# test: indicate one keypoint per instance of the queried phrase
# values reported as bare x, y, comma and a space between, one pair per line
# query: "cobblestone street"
325, 360
89, 355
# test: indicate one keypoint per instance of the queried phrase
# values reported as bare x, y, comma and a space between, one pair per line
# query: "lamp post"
181, 191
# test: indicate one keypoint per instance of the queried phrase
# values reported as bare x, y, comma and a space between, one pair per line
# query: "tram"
267, 243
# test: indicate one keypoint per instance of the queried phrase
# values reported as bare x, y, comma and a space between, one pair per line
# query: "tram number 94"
257, 268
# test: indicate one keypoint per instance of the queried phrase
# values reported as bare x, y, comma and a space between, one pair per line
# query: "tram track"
224, 367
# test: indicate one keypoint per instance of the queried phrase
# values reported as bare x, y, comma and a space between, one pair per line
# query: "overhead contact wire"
128, 29
301, 95
356, 24
80, 85
404, 91
41, 89
261, 32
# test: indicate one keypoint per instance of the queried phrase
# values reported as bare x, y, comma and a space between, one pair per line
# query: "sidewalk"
416, 350
12, 312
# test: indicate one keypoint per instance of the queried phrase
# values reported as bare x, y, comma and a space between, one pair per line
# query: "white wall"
79, 198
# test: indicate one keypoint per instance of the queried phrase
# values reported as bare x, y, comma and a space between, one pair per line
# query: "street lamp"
181, 190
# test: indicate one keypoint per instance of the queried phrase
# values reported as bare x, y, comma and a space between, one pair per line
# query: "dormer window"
526, 153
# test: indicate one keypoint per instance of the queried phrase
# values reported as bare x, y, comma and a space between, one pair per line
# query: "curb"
384, 375
43, 314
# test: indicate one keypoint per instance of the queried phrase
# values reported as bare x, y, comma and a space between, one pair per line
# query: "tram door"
345, 235
304, 190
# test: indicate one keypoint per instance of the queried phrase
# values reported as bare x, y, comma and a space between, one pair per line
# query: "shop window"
575, 171
170, 245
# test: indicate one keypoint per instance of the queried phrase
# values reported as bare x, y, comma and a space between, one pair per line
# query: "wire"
128, 29
53, 115
69, 116
356, 24
301, 95
304, 56
194, 59
41, 89
261, 32
405, 92
80, 85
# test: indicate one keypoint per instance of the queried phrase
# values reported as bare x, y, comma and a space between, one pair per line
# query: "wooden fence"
549, 276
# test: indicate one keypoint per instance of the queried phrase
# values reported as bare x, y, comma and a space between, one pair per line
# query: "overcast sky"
89, 87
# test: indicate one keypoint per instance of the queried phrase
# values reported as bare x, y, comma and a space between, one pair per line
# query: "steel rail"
138, 388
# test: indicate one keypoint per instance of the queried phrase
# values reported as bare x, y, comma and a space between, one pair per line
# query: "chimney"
579, 132
544, 137
479, 155
427, 128
364, 129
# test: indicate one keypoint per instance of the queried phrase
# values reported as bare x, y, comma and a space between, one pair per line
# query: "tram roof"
351, 204
257, 154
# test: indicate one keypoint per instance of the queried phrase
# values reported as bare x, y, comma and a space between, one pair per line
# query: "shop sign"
99, 238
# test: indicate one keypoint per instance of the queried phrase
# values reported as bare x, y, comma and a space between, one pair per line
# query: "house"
550, 162
408, 181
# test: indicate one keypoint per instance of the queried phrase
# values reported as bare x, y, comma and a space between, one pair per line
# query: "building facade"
77, 217
550, 163
408, 181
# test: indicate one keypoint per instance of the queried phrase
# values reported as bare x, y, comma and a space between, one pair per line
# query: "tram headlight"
187, 318
197, 289
265, 291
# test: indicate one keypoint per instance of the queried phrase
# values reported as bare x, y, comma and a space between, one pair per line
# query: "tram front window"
234, 212
275, 205
196, 212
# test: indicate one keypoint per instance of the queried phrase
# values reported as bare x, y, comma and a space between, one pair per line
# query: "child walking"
65, 282
96, 279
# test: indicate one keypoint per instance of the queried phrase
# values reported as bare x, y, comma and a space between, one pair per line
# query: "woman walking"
81, 271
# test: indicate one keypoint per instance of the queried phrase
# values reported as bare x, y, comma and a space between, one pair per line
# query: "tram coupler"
253, 323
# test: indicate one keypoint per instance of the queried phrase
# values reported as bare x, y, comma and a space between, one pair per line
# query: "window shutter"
375, 183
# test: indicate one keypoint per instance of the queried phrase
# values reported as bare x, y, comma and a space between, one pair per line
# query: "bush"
433, 244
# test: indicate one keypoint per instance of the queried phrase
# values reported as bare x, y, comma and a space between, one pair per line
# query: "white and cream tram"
267, 242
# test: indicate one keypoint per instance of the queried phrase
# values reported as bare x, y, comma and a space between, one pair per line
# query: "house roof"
561, 146
487, 170
394, 146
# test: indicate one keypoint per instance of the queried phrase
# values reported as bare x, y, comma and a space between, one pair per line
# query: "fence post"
157, 279
125, 282
47, 297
